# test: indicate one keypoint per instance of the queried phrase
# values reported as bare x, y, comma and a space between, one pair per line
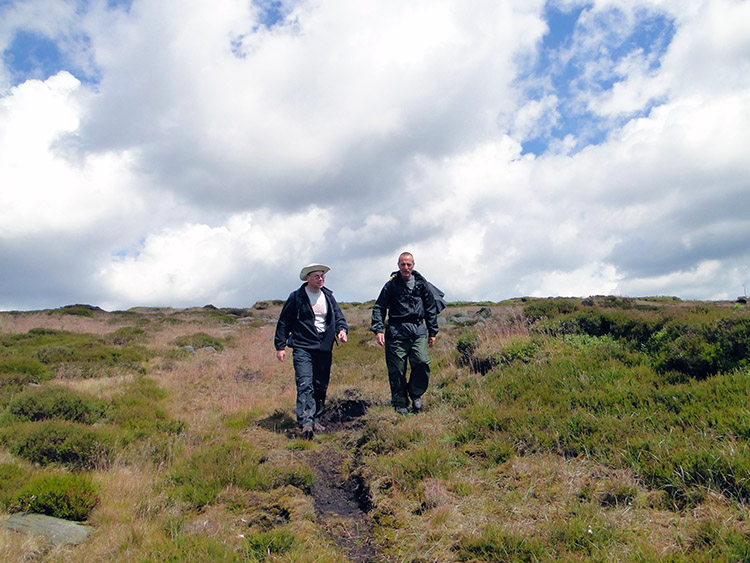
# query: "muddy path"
341, 498
339, 506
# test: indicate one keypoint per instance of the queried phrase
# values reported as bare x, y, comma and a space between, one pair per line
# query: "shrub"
549, 308
66, 443
78, 310
54, 354
466, 344
127, 335
18, 372
702, 350
29, 367
54, 348
517, 349
689, 354
200, 340
70, 496
12, 478
56, 402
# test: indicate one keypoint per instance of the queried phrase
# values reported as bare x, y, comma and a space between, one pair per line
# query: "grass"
598, 429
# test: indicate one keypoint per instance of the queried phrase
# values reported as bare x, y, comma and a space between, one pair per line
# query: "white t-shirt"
319, 307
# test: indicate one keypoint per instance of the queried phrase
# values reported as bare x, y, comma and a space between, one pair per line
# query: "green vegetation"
137, 412
200, 479
597, 429
12, 478
68, 496
593, 396
266, 545
41, 403
72, 445
200, 340
79, 310
38, 354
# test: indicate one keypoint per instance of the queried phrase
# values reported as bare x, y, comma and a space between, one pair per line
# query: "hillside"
598, 429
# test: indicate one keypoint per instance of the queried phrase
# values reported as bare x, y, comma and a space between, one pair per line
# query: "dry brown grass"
245, 377
13, 323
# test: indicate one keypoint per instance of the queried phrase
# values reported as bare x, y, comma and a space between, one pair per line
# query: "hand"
342, 336
380, 337
431, 341
281, 355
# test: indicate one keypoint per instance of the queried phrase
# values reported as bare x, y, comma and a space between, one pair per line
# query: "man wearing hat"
309, 323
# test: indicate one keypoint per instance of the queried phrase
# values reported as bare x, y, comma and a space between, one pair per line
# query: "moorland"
561, 429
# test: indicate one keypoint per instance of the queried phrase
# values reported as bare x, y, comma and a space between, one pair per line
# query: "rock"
483, 313
55, 530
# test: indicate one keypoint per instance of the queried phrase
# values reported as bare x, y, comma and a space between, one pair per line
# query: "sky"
182, 153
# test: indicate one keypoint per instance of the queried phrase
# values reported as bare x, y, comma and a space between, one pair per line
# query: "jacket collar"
324, 289
416, 275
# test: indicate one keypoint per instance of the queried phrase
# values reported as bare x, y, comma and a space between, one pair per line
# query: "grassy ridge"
602, 429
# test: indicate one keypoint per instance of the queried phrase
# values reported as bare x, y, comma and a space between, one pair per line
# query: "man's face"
405, 265
315, 280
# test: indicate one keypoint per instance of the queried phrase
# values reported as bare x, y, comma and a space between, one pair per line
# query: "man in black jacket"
412, 326
310, 321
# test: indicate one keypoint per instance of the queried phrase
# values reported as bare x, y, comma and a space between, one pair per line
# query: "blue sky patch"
567, 68
270, 12
125, 4
32, 55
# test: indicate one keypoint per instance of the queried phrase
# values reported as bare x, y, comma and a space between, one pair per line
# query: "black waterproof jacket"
406, 309
296, 325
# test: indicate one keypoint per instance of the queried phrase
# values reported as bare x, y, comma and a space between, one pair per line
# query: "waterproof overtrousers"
312, 372
399, 352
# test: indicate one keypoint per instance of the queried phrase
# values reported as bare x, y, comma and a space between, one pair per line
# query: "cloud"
299, 101
197, 263
186, 153
44, 190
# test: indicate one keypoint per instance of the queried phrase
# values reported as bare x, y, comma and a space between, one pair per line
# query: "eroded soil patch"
341, 503
340, 414
344, 413
340, 496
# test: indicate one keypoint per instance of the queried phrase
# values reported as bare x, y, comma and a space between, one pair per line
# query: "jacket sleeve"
430, 311
286, 322
379, 311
